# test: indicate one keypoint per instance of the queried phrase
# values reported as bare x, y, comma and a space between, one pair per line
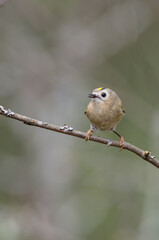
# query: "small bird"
104, 112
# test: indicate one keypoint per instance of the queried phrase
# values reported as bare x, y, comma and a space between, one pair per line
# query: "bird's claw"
88, 134
122, 143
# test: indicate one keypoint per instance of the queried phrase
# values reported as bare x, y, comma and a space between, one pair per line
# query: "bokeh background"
52, 54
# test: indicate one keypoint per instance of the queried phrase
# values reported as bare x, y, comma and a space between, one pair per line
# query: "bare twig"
146, 155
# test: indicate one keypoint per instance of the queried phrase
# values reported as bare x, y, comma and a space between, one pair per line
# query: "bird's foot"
122, 142
88, 134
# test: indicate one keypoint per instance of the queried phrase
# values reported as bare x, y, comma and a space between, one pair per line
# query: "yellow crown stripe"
100, 88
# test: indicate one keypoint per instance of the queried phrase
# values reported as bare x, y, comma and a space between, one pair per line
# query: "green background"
52, 54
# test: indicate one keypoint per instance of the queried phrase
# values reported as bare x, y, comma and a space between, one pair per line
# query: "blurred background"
52, 54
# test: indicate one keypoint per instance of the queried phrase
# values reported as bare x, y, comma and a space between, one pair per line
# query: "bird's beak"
92, 95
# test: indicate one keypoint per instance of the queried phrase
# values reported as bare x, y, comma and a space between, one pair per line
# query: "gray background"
52, 54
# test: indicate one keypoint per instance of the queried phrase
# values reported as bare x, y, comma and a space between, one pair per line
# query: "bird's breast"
103, 117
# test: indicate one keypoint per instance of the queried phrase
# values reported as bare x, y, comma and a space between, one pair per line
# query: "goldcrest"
104, 111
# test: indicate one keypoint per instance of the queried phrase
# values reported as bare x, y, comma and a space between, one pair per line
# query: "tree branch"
146, 155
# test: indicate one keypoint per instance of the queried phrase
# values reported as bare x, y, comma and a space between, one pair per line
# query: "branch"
146, 155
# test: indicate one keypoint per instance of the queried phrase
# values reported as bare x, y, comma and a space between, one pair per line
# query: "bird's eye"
103, 94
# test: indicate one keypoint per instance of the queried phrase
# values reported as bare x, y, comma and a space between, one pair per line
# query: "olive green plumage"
104, 111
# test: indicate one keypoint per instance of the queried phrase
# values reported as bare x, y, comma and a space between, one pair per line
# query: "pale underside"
103, 118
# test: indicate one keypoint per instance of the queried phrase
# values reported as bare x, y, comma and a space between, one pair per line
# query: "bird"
104, 112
